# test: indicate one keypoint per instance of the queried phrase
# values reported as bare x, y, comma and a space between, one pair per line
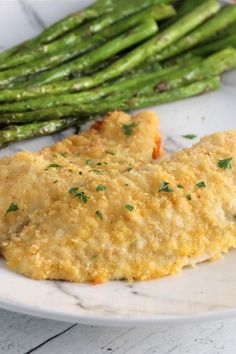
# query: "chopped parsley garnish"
63, 154
164, 187
97, 172
102, 163
78, 194
52, 165
109, 152
189, 197
89, 162
129, 207
129, 168
225, 164
54, 182
180, 186
201, 185
128, 128
189, 136
99, 214
12, 207
101, 187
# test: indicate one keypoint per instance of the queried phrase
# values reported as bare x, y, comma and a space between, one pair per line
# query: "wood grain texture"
19, 334
24, 335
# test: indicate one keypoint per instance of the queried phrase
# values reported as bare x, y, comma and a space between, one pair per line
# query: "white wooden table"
23, 334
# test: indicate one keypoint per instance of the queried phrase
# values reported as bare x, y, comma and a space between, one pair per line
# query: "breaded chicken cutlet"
118, 137
116, 222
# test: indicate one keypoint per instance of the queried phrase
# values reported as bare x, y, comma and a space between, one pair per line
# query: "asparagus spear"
21, 132
215, 46
127, 63
224, 34
4, 56
137, 84
142, 76
170, 96
60, 51
139, 54
107, 50
33, 92
101, 7
94, 11
128, 87
168, 78
222, 20
228, 31
182, 9
177, 61
86, 112
121, 10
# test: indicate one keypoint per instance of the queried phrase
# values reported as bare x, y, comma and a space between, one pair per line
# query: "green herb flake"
164, 187
63, 154
94, 257
201, 185
109, 152
52, 165
97, 172
54, 182
129, 207
180, 186
189, 197
12, 207
100, 188
99, 214
89, 162
128, 128
102, 163
74, 191
189, 136
129, 168
225, 164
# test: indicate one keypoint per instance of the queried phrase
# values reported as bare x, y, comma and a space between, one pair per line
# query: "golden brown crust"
108, 135
140, 233
105, 141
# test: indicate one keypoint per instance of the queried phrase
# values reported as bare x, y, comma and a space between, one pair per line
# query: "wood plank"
19, 333
209, 338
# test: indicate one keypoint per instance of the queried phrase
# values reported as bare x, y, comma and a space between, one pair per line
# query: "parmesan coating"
133, 229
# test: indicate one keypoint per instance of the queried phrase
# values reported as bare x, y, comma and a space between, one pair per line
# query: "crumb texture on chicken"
29, 179
135, 226
118, 134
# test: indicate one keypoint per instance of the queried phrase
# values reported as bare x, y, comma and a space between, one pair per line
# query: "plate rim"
120, 320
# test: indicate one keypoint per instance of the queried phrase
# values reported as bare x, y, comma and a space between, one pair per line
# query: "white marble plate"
207, 292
